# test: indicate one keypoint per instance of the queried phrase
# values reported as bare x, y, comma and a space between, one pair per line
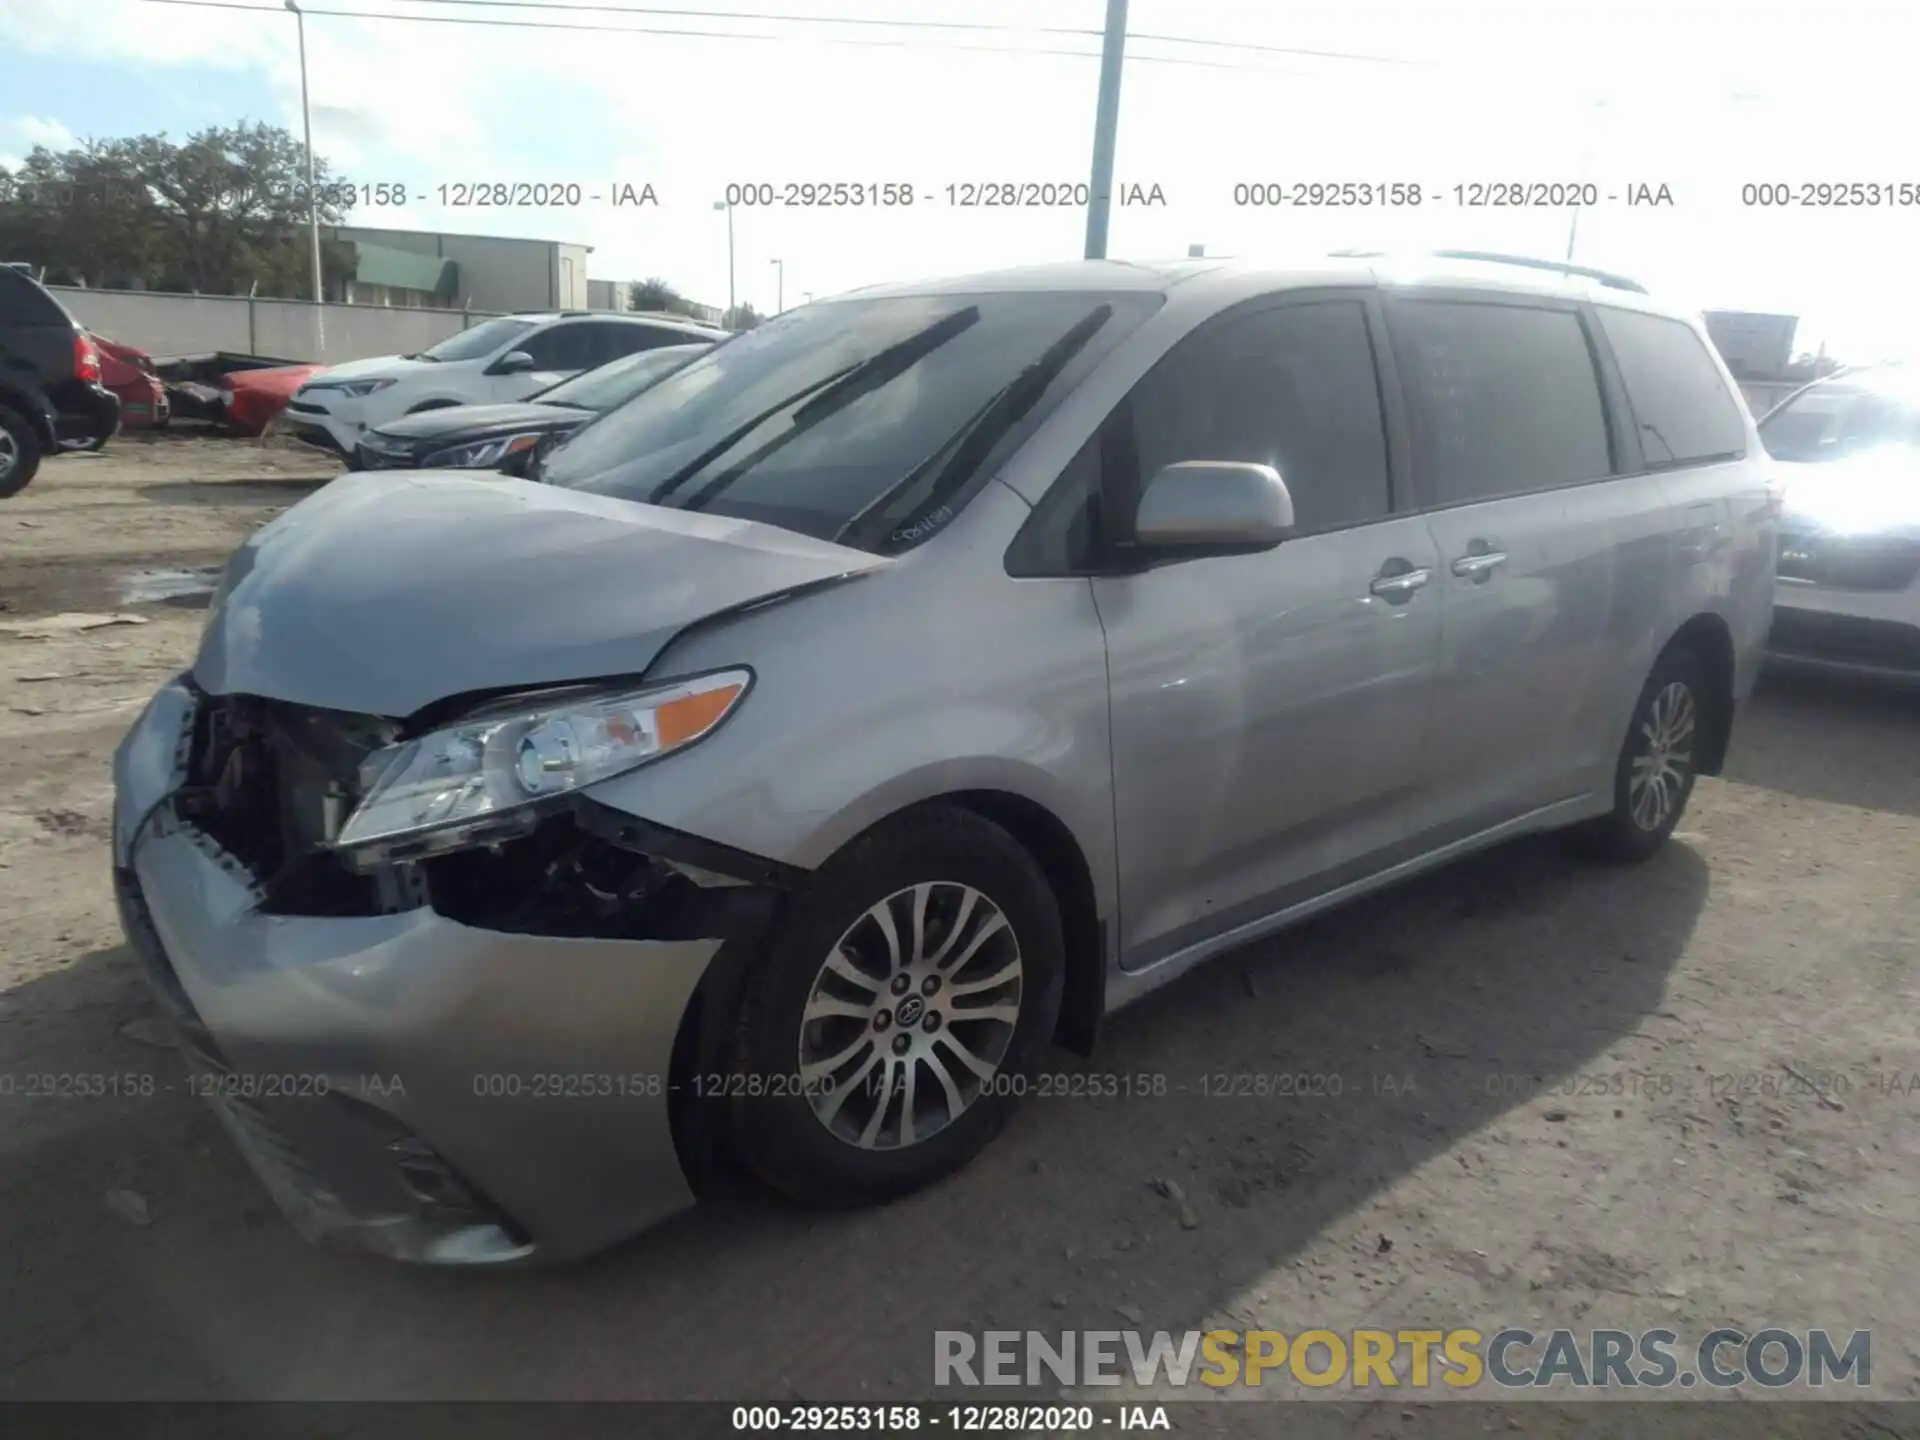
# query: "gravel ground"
1565, 1094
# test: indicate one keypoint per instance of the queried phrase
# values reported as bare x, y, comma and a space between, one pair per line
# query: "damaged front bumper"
431, 1089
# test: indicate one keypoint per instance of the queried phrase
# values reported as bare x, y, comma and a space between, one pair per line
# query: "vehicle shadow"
240, 490
1421, 1018
1806, 735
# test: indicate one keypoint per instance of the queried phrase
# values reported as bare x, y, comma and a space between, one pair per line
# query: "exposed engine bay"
273, 783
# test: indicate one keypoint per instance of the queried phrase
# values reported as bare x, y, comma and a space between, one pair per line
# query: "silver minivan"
895, 691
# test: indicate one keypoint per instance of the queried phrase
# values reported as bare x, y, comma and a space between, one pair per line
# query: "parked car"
252, 399
507, 358
900, 686
128, 372
50, 382
1848, 451
506, 437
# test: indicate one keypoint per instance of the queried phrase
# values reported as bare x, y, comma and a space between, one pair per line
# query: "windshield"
866, 421
1841, 418
618, 382
482, 339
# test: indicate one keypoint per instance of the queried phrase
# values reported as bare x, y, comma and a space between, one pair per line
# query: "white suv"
1847, 452
507, 358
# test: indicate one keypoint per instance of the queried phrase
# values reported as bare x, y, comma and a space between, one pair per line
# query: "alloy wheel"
911, 1015
1663, 757
9, 453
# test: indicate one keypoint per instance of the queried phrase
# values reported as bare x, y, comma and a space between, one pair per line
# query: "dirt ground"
1479, 1166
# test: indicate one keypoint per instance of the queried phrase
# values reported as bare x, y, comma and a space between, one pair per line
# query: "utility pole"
728, 207
1106, 120
780, 295
306, 117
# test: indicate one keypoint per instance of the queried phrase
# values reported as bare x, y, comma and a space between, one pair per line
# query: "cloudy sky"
1701, 98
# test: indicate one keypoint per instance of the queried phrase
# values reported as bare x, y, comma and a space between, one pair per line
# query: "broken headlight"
491, 774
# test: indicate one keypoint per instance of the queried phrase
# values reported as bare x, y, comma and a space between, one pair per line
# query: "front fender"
873, 697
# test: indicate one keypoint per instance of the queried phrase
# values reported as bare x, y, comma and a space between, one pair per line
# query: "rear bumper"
1832, 642
420, 1088
87, 413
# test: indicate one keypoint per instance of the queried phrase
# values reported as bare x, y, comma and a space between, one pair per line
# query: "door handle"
1479, 564
1400, 584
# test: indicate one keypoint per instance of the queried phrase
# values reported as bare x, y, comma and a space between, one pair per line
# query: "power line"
622, 29
862, 41
1263, 49
598, 7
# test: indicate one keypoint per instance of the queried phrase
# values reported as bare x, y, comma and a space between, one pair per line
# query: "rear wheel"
894, 1025
1654, 776
19, 451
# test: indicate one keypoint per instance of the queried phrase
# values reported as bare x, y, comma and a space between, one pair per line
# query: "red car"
254, 397
128, 372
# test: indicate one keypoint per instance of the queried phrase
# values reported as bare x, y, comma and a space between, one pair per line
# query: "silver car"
895, 691
1847, 452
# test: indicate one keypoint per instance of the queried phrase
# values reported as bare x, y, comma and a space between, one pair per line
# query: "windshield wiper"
816, 402
971, 444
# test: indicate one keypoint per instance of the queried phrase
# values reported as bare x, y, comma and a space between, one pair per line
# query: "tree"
656, 294
742, 317
234, 202
84, 214
221, 212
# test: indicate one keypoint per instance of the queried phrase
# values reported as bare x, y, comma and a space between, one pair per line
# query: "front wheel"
1654, 776
898, 1017
19, 452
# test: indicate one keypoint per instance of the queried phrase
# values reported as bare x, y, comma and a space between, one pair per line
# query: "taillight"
86, 358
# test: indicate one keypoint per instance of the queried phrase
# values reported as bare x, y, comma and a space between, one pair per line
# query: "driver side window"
1292, 386
559, 347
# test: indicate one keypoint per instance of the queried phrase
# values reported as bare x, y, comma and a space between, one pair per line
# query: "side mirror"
514, 362
1213, 505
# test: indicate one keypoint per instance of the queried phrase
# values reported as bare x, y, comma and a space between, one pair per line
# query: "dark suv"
50, 390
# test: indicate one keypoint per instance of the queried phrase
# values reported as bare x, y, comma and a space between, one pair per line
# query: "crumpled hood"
1877, 492
380, 594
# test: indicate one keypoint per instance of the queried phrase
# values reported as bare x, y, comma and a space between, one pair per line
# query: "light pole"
306, 118
1586, 160
728, 207
1106, 120
780, 294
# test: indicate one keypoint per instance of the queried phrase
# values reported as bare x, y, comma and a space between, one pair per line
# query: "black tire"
24, 441
1619, 837
776, 1131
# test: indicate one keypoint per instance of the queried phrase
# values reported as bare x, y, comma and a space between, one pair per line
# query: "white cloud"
27, 131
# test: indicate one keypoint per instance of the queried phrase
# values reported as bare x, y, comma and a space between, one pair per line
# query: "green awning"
404, 270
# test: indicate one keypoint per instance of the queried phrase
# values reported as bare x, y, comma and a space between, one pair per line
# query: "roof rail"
1529, 262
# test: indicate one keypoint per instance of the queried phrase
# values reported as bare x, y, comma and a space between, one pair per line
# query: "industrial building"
417, 269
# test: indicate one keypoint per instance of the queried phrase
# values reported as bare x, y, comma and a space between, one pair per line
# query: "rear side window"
22, 302
1503, 398
1680, 404
625, 338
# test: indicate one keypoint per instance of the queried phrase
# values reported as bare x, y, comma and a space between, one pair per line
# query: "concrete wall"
297, 330
496, 273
